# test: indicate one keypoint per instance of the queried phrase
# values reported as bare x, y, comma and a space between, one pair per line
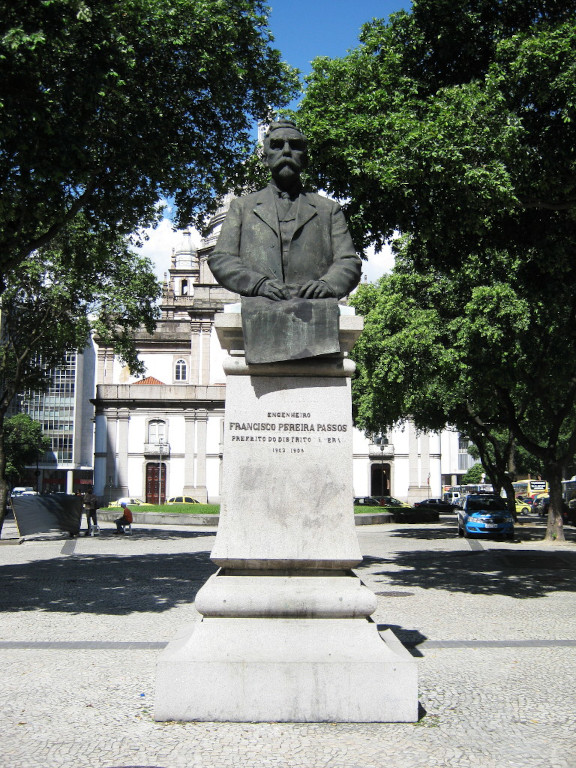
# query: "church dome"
185, 255
216, 221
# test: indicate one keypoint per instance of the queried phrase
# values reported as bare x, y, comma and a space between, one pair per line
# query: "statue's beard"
286, 171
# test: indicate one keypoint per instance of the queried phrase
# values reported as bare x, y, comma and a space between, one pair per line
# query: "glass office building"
67, 417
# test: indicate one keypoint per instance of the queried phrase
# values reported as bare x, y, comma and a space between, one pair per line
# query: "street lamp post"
160, 447
108, 489
381, 441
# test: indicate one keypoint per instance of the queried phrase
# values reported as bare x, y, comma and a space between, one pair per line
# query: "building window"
55, 408
465, 460
181, 371
184, 288
156, 431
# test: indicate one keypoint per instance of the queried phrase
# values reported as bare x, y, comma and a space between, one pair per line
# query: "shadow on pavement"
423, 533
518, 573
410, 638
528, 529
156, 534
106, 584
161, 533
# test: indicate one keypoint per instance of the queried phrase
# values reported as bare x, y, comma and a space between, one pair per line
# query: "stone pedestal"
286, 634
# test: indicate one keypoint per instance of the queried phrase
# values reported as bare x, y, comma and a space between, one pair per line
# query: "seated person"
125, 520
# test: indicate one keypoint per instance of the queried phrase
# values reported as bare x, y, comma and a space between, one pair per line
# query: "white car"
21, 490
129, 501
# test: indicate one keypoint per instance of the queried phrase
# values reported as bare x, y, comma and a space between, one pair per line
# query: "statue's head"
285, 152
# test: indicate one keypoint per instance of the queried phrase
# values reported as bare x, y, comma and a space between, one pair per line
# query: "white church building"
161, 435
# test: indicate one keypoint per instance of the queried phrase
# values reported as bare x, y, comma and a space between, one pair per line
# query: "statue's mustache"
286, 161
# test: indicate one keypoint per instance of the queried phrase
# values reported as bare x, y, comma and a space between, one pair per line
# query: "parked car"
568, 512
378, 501
541, 505
438, 504
390, 501
453, 497
522, 508
182, 500
484, 515
527, 502
366, 501
23, 490
129, 501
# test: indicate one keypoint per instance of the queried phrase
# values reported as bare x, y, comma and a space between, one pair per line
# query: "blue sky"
303, 30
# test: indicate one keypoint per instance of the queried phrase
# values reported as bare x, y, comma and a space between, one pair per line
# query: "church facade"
160, 435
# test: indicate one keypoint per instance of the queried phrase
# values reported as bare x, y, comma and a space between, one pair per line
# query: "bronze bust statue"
281, 249
282, 242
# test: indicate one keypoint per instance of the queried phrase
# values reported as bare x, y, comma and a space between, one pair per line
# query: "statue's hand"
273, 289
315, 289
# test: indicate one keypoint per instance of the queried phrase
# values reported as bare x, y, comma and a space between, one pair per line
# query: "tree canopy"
455, 126
456, 350
108, 106
476, 474
24, 443
84, 281
455, 123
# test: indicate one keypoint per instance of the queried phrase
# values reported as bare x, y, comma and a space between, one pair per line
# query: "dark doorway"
380, 479
155, 483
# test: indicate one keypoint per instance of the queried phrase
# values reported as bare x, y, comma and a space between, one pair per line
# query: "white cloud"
378, 264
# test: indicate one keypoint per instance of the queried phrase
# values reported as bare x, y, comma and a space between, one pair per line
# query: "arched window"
156, 431
181, 371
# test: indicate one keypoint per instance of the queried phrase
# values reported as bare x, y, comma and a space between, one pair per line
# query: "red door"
155, 483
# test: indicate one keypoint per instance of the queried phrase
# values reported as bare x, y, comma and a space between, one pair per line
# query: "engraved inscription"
293, 427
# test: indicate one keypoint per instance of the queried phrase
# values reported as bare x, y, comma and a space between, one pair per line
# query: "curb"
373, 518
175, 518
160, 518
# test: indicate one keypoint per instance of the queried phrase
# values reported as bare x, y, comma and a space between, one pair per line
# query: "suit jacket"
249, 249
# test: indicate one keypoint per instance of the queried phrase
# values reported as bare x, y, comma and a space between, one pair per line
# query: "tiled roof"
150, 380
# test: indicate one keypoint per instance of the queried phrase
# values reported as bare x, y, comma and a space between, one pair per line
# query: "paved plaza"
493, 626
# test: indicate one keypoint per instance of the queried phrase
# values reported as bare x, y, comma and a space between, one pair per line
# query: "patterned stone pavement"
493, 625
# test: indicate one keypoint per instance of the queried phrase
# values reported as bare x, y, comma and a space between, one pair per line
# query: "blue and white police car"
485, 515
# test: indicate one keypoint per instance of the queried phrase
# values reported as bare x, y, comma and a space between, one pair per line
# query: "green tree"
456, 351
503, 451
414, 359
455, 125
86, 280
107, 107
476, 474
24, 443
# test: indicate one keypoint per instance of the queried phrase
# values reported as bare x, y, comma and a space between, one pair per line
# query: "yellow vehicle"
530, 488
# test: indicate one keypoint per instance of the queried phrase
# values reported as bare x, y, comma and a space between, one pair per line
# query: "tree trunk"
510, 496
3, 483
555, 526
497, 462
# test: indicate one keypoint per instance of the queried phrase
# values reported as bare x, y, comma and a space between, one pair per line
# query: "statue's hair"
277, 125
